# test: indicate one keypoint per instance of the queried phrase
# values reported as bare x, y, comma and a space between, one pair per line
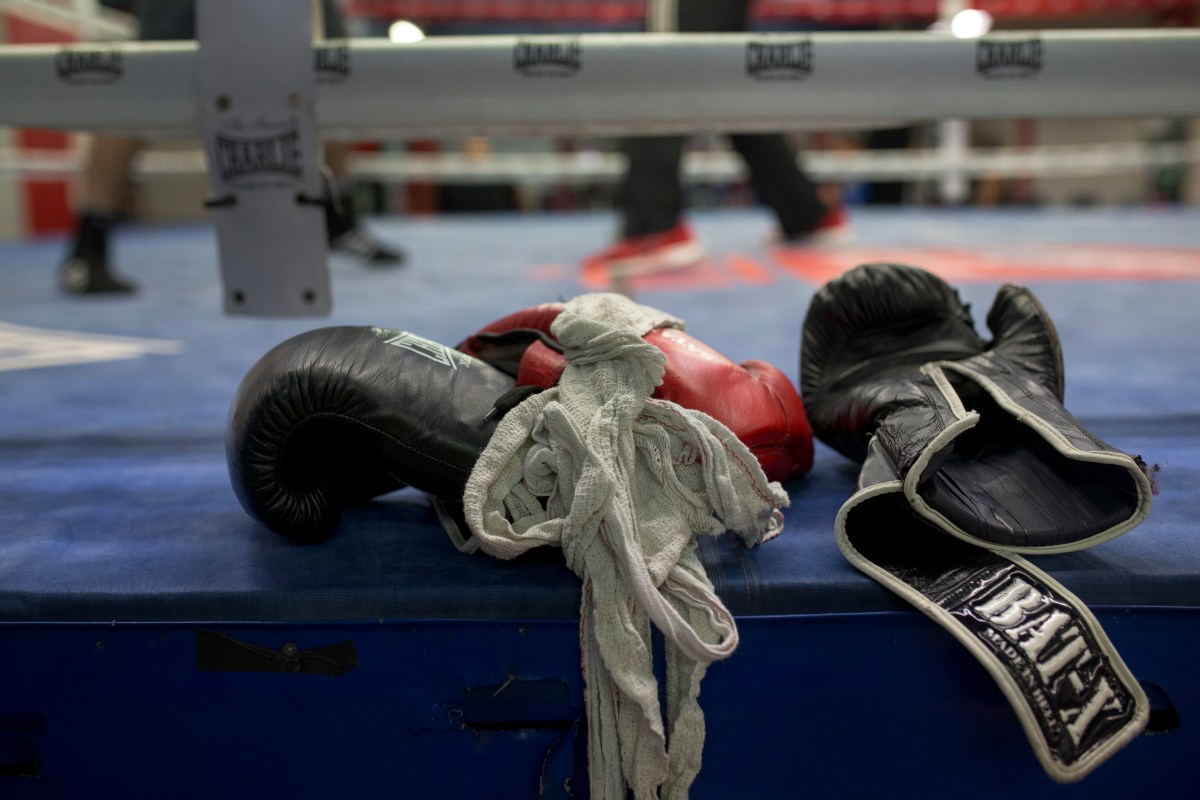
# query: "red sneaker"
831, 229
670, 250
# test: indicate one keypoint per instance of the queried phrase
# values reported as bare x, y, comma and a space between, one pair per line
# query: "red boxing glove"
754, 400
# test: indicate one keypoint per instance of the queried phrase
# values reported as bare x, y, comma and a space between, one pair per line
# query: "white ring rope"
704, 166
600, 84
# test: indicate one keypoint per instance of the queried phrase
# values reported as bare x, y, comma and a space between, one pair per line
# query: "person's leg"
650, 201
775, 175
779, 182
710, 16
108, 167
342, 226
650, 197
106, 175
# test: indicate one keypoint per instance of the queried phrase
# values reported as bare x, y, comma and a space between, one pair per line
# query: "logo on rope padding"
332, 62
89, 66
780, 61
553, 59
278, 154
1009, 59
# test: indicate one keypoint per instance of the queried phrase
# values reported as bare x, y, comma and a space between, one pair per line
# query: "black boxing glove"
963, 437
340, 415
893, 374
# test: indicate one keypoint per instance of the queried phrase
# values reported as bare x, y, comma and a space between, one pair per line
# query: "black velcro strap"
216, 652
505, 349
521, 336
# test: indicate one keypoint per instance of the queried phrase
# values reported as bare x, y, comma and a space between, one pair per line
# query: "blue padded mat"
115, 503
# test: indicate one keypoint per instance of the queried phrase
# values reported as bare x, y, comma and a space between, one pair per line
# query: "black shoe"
86, 269
356, 243
80, 276
345, 235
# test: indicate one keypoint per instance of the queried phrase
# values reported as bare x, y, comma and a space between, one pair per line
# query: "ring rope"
706, 166
615, 84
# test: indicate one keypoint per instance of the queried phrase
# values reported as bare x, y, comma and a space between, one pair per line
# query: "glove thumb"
1024, 335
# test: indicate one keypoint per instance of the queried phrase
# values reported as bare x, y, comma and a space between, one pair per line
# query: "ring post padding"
256, 92
603, 84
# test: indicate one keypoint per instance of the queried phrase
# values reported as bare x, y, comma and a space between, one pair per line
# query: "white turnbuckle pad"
256, 90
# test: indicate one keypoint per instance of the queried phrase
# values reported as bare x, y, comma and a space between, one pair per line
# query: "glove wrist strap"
1075, 698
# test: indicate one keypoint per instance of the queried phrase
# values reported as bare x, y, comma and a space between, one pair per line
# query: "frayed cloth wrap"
624, 483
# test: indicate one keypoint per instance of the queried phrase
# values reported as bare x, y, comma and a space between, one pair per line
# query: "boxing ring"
159, 642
